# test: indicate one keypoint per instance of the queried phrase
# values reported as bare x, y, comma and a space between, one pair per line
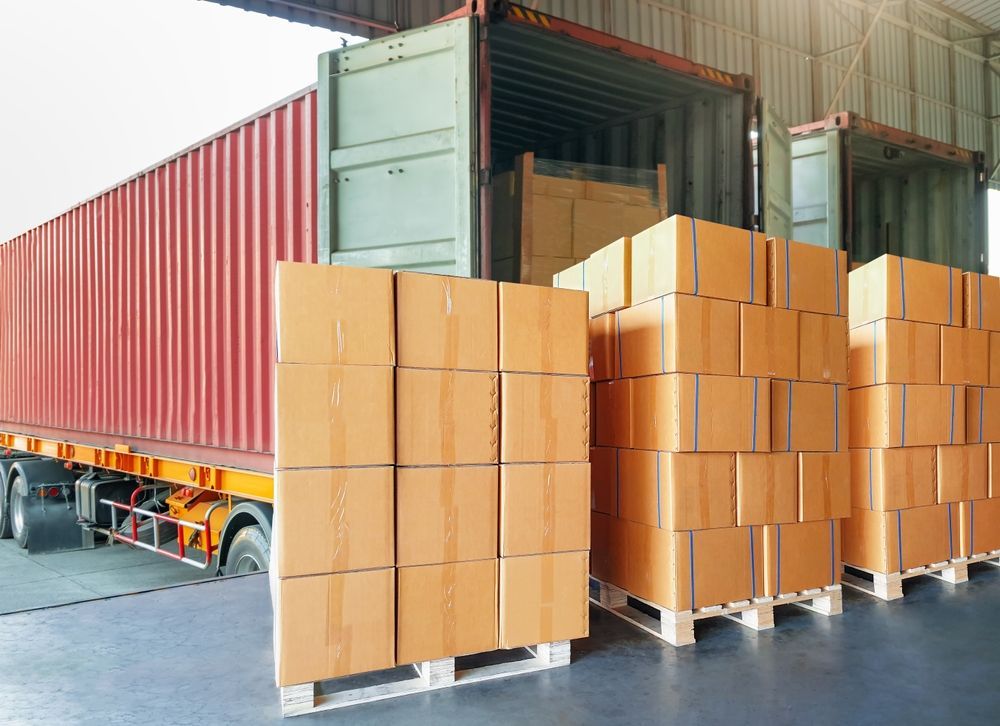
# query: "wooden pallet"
677, 628
430, 676
889, 585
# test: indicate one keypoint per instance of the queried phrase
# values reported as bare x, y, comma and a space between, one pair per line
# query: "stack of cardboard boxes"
392, 510
920, 375
720, 459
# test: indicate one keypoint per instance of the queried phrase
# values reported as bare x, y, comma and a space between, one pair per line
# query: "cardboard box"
907, 289
898, 540
614, 413
538, 270
336, 315
596, 224
994, 470
962, 472
979, 527
981, 301
695, 257
544, 418
604, 467
891, 415
333, 416
806, 277
624, 193
446, 417
994, 359
446, 514
887, 479
327, 626
895, 351
965, 356
543, 598
610, 277
769, 342
544, 508
600, 546
808, 416
823, 348
678, 491
638, 218
801, 556
573, 277
593, 414
446, 322
543, 330
679, 333
551, 220
332, 520
983, 421
691, 412
556, 186
604, 347
766, 488
446, 610
824, 486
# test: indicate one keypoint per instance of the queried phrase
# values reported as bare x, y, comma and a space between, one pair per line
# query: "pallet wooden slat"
889, 585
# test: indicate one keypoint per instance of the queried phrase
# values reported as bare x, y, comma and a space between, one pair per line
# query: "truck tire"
249, 552
5, 532
18, 511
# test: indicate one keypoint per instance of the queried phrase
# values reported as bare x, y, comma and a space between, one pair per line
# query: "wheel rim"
17, 515
247, 563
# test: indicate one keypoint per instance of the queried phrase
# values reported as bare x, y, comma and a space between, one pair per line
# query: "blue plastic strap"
788, 423
779, 561
902, 425
751, 267
691, 563
951, 434
618, 330
949, 295
697, 385
663, 335
618, 482
980, 300
788, 280
836, 276
972, 526
875, 352
951, 542
753, 560
899, 536
694, 253
871, 497
981, 388
902, 287
558, 274
659, 519
833, 570
836, 419
583, 269
753, 424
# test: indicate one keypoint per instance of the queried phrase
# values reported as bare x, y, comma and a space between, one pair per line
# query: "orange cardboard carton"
983, 422
679, 333
685, 255
822, 348
907, 289
965, 356
603, 347
539, 271
600, 546
327, 626
543, 598
692, 412
979, 527
678, 491
446, 322
543, 330
609, 277
994, 359
898, 540
446, 610
886, 479
808, 416
556, 186
614, 413
981, 301
445, 514
604, 479
895, 351
544, 418
824, 486
446, 417
962, 472
806, 277
332, 415
544, 508
994, 470
573, 277
640, 217
331, 314
596, 224
769, 342
624, 193
891, 415
551, 220
801, 556
766, 488
332, 520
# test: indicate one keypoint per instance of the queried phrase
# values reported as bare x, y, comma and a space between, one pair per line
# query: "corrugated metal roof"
986, 12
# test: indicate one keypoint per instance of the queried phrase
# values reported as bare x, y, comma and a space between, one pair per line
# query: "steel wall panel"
143, 316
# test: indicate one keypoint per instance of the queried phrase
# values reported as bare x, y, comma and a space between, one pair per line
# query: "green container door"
817, 190
397, 138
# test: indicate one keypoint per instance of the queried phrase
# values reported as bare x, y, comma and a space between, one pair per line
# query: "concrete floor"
930, 658
34, 581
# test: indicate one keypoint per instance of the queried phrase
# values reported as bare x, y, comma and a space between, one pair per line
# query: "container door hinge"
485, 177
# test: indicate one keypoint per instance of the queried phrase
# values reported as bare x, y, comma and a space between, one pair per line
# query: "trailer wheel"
249, 552
18, 512
5, 532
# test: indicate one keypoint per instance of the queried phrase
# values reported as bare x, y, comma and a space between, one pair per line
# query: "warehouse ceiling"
986, 12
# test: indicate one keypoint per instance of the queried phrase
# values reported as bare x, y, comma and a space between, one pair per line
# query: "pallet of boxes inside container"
920, 471
431, 482
720, 465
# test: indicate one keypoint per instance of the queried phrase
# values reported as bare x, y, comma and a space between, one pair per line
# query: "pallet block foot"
758, 618
831, 602
955, 575
611, 596
677, 628
888, 587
